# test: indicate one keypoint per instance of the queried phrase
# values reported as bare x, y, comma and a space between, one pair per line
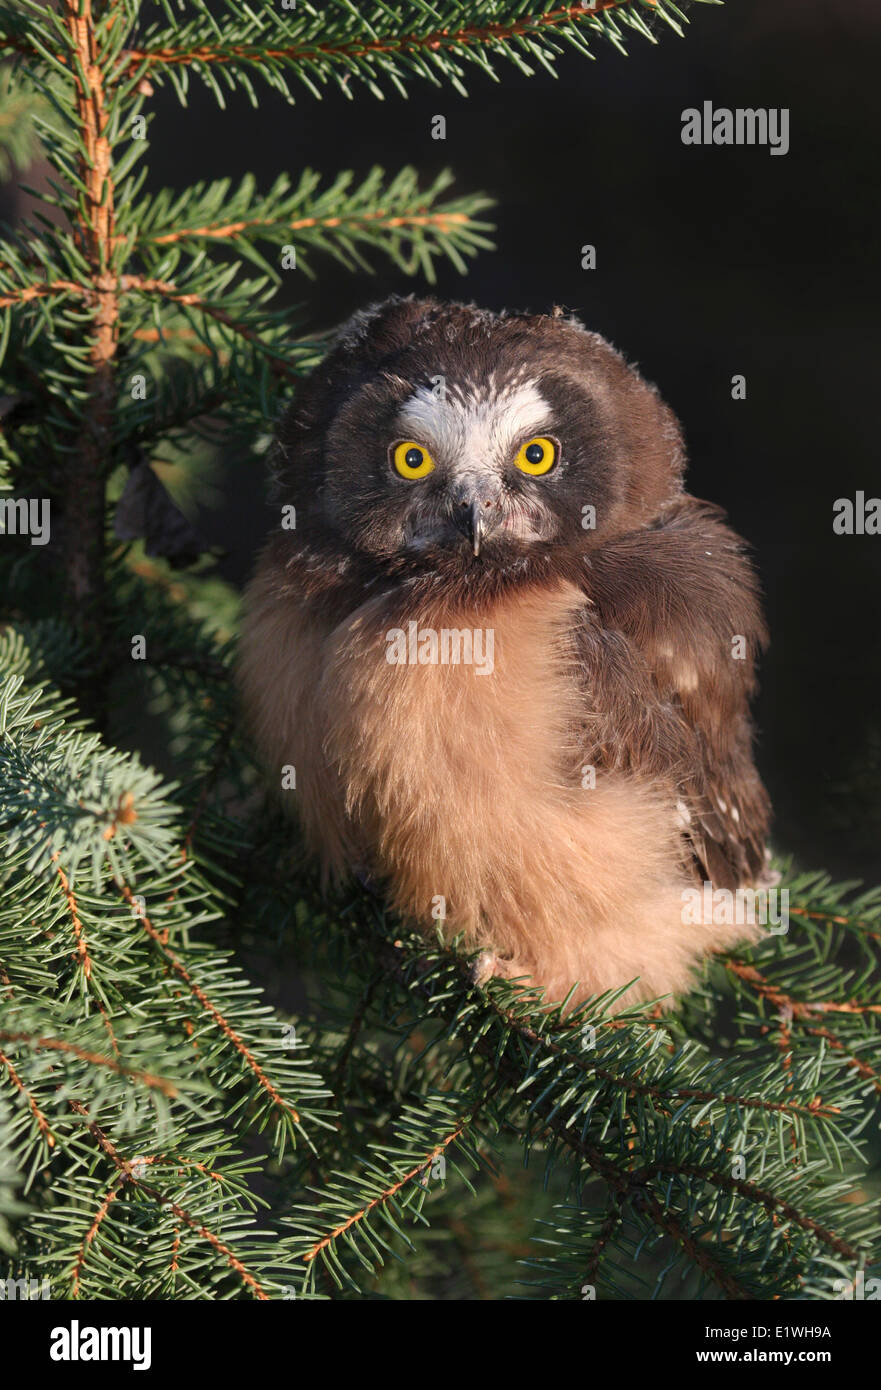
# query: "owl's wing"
730, 813
668, 648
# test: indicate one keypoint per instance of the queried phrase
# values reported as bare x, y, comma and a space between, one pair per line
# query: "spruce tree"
165, 1132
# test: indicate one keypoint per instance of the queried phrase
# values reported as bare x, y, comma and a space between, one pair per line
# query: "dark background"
711, 261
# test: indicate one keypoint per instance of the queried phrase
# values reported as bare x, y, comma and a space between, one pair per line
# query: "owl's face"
446, 439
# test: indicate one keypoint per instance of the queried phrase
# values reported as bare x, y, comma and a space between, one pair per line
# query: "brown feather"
447, 785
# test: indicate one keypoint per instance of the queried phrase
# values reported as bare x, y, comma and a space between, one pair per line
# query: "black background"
711, 261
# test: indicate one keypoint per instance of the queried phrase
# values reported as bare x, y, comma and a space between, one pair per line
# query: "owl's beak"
476, 516
476, 525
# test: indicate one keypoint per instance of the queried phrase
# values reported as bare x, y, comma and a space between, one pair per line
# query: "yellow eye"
412, 460
537, 456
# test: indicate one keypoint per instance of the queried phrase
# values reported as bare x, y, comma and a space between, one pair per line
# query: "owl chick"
507, 654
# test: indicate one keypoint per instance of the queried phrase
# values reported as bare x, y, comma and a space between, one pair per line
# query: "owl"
507, 655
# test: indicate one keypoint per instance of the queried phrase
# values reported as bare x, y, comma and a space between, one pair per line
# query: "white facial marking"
477, 430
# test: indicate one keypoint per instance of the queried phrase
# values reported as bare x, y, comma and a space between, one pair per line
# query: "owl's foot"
488, 965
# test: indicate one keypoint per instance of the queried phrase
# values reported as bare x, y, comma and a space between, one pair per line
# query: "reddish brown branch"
799, 1008
769, 1200
42, 291
168, 290
442, 221
433, 42
90, 1235
840, 920
84, 501
198, 993
805, 1013
125, 284
82, 945
857, 1062
129, 1174
656, 1093
385, 1195
42, 1122
158, 1083
696, 1250
82, 948
628, 1182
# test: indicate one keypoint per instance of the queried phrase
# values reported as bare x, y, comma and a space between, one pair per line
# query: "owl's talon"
481, 967
488, 965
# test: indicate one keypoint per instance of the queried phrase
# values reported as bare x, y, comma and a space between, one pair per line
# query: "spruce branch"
194, 301
42, 1123
211, 1009
364, 1213
84, 497
337, 42
396, 43
409, 224
793, 1196
118, 824
129, 1172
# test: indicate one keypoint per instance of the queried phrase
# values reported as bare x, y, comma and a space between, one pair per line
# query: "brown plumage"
555, 802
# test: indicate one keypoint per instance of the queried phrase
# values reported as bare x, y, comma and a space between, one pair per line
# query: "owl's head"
440, 438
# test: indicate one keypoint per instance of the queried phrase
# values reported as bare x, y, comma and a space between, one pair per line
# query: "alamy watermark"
858, 517
26, 516
451, 646
76, 1343
24, 1289
761, 125
718, 907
